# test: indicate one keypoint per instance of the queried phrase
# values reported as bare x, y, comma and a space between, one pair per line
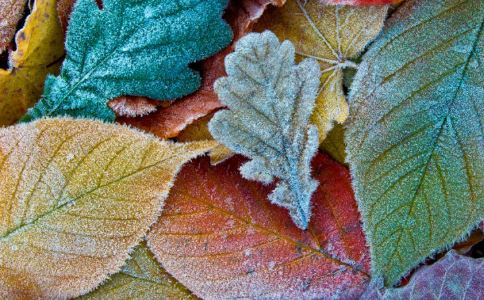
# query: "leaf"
453, 277
167, 122
10, 14
39, 50
415, 139
333, 35
75, 197
360, 2
127, 49
334, 144
141, 278
270, 100
219, 236
198, 131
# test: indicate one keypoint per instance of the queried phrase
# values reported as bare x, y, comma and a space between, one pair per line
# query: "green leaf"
141, 278
139, 48
415, 139
270, 100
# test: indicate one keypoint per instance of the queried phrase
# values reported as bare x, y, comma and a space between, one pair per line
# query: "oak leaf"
167, 122
40, 48
219, 236
415, 138
75, 197
333, 35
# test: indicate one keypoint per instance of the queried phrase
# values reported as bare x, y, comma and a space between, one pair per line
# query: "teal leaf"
453, 277
270, 100
140, 48
415, 138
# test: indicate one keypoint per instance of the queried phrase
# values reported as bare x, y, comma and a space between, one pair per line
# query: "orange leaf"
167, 122
219, 236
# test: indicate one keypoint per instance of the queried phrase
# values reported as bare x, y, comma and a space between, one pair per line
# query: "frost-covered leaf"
452, 277
133, 106
75, 197
10, 13
140, 49
221, 238
415, 139
360, 2
334, 143
141, 278
270, 100
40, 47
333, 35
167, 122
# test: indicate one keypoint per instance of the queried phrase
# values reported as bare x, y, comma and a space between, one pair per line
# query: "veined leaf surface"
415, 138
75, 197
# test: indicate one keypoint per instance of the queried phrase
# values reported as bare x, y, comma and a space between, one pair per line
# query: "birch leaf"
141, 49
333, 35
270, 100
415, 140
75, 197
40, 47
452, 277
141, 278
10, 13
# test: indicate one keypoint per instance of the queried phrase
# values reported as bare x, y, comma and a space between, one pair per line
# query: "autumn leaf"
198, 131
141, 278
415, 138
40, 47
333, 35
270, 101
125, 49
167, 122
453, 277
75, 197
10, 13
360, 2
334, 144
218, 235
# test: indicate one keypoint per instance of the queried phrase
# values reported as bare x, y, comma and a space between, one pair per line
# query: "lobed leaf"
415, 138
333, 35
141, 278
75, 197
221, 239
270, 100
452, 277
140, 49
39, 51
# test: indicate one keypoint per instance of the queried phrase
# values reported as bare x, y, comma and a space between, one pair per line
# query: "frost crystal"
270, 100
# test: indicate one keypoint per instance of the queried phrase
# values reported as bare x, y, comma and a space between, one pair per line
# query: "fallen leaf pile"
241, 149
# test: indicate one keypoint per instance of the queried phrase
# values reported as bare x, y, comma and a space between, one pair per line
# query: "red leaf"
219, 235
167, 122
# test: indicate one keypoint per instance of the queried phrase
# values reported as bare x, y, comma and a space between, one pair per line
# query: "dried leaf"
333, 35
453, 277
10, 14
141, 278
167, 122
220, 237
126, 49
40, 47
415, 138
270, 100
75, 197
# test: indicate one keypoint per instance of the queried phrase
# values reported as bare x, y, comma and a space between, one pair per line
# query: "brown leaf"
169, 121
10, 14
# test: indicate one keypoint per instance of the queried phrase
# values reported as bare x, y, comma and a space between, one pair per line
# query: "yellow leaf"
75, 197
40, 48
333, 35
198, 131
141, 278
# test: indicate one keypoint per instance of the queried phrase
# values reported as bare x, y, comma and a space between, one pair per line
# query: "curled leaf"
220, 237
127, 49
270, 100
75, 197
167, 122
333, 35
40, 48
415, 137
